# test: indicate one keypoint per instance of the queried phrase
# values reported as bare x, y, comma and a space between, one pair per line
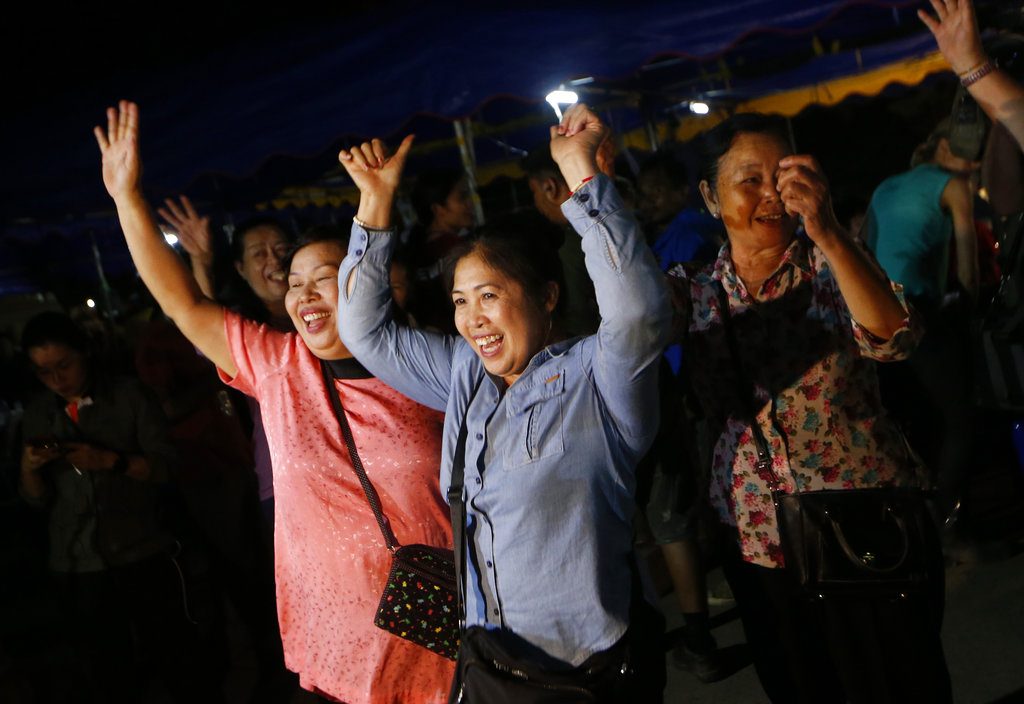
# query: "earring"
716, 215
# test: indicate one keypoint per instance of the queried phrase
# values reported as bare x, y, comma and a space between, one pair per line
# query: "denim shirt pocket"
535, 421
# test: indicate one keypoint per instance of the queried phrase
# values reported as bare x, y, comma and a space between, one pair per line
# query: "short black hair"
538, 163
253, 223
54, 327
668, 167
312, 235
433, 188
718, 140
521, 245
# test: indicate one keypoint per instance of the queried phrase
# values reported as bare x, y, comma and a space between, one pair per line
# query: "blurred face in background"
456, 212
61, 369
657, 202
261, 265
400, 284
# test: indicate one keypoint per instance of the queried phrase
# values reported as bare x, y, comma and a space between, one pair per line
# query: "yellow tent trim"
792, 102
787, 103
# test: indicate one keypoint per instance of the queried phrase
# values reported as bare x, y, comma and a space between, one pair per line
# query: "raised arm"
955, 28
165, 275
865, 287
193, 232
416, 362
958, 199
632, 296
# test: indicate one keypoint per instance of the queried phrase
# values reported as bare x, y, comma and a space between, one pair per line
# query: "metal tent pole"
464, 138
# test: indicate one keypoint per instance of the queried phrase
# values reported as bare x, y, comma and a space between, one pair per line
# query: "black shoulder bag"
419, 601
867, 542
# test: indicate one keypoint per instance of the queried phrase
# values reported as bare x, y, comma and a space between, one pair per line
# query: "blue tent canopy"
237, 124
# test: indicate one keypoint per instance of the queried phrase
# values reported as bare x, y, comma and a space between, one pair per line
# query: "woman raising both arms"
551, 429
331, 561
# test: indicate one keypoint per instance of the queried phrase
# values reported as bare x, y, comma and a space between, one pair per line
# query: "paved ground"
983, 632
983, 635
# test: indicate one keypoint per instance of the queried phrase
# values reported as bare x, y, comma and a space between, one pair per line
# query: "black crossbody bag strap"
745, 389
457, 507
357, 464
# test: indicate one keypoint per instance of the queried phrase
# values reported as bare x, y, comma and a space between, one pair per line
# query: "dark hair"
433, 188
538, 164
247, 226
312, 235
668, 168
234, 291
522, 246
925, 152
52, 327
718, 140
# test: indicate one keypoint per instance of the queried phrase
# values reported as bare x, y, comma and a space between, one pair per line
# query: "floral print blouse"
812, 368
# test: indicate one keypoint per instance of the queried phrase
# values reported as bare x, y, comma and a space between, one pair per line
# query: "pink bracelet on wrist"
975, 75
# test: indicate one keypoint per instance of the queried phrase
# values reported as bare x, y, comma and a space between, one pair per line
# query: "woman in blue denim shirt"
554, 427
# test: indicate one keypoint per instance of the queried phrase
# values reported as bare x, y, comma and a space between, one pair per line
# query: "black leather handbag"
855, 541
868, 542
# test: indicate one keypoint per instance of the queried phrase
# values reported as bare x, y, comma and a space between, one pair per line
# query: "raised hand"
373, 169
574, 143
192, 228
376, 174
119, 145
804, 191
955, 28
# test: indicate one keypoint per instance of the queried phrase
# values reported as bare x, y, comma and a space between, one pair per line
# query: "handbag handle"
357, 464
745, 390
457, 506
859, 560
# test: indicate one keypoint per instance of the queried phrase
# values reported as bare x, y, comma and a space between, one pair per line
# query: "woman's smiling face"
494, 314
745, 192
312, 298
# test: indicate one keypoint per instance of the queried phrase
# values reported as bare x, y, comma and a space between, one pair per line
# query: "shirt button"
479, 436
594, 213
495, 612
359, 252
478, 480
584, 197
490, 564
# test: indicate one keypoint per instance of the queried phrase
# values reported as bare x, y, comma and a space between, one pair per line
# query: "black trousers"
931, 394
857, 650
130, 623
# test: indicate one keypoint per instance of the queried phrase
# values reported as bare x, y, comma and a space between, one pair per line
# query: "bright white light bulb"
171, 238
699, 108
556, 98
89, 302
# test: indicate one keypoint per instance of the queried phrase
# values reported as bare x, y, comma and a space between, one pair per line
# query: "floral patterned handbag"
419, 602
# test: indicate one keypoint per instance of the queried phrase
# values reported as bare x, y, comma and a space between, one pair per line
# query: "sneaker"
706, 667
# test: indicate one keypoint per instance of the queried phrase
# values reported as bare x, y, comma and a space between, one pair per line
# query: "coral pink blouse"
331, 561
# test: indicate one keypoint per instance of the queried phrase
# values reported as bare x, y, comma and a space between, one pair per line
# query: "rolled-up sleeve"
903, 341
633, 301
417, 363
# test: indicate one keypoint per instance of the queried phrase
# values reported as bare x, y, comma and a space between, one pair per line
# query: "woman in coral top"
331, 561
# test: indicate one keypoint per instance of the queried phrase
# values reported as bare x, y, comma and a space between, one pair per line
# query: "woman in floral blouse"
811, 313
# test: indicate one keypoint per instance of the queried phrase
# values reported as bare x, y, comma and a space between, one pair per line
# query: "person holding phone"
96, 455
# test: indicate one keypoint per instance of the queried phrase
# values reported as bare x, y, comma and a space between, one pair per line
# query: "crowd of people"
620, 362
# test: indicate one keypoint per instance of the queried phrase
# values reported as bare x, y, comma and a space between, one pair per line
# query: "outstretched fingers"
189, 210
101, 138
173, 210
